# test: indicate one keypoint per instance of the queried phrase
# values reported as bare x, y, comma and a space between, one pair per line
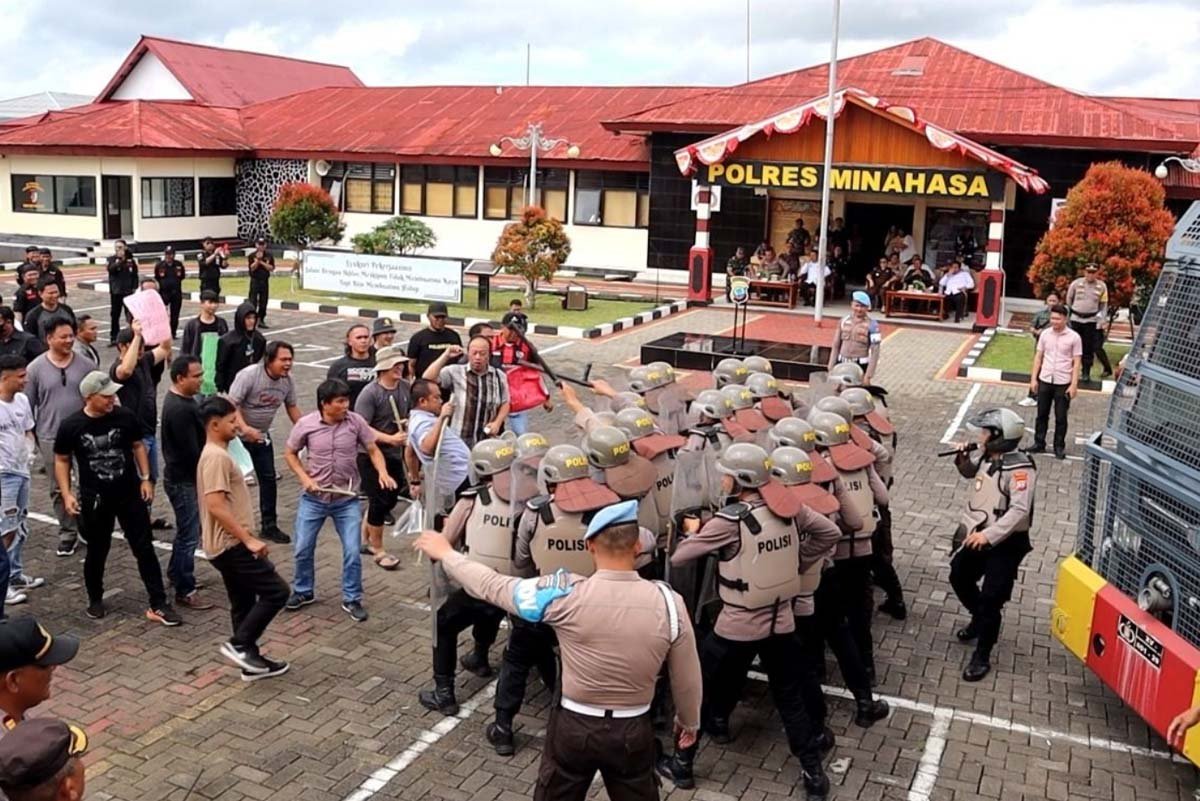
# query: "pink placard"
146, 306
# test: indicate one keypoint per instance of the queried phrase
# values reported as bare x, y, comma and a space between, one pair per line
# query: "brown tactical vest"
489, 533
765, 571
557, 540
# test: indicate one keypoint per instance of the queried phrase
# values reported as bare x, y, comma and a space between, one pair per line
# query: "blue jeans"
182, 568
262, 454
311, 514
151, 444
14, 510
517, 422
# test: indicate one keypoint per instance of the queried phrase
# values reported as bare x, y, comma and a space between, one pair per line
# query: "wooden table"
925, 305
768, 290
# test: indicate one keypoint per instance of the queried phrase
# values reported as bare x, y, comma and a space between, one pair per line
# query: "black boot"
477, 662
816, 783
968, 632
718, 730
979, 666
894, 607
500, 735
870, 710
870, 671
441, 697
678, 767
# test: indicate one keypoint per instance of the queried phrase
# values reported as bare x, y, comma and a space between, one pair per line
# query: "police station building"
188, 141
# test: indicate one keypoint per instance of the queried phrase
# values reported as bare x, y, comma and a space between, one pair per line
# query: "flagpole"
823, 241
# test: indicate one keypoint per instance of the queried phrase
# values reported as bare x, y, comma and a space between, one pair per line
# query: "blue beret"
617, 513
861, 297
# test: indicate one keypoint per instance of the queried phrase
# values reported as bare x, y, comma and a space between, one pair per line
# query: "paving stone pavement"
170, 720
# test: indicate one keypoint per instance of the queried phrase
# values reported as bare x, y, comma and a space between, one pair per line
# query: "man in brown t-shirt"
256, 592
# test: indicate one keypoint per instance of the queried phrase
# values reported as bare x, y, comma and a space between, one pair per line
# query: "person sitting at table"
839, 263
790, 262
918, 277
770, 268
738, 264
810, 274
955, 285
879, 280
760, 253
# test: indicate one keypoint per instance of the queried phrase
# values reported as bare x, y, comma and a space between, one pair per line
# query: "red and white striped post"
700, 256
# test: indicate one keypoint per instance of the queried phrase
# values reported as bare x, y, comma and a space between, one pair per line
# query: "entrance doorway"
868, 224
118, 206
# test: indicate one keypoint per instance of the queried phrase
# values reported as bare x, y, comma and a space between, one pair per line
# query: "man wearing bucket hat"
384, 405
383, 333
616, 633
764, 540
857, 337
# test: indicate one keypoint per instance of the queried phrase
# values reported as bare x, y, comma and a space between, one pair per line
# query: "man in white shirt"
955, 285
810, 274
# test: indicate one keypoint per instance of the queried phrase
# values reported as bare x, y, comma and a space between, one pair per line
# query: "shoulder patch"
533, 596
734, 511
1020, 479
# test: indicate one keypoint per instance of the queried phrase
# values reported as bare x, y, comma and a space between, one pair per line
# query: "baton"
956, 451
556, 377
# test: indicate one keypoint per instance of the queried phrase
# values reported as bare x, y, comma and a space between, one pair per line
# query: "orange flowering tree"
304, 214
533, 247
1115, 217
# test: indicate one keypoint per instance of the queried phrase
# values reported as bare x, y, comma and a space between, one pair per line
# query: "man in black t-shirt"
212, 261
122, 281
357, 367
50, 310
427, 344
262, 265
134, 370
169, 273
49, 271
27, 296
206, 322
104, 440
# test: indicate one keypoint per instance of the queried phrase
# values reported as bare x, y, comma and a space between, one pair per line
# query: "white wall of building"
73, 226
161, 229
150, 80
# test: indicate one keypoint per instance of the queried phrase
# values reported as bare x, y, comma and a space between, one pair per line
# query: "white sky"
1147, 48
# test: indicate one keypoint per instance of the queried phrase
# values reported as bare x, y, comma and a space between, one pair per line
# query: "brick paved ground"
171, 720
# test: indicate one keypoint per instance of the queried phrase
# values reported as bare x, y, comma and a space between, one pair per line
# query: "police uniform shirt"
1017, 483
456, 522
1088, 302
857, 341
825, 538
749, 625
614, 633
883, 456
170, 274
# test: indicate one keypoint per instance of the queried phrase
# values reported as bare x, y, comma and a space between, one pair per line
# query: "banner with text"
404, 277
883, 180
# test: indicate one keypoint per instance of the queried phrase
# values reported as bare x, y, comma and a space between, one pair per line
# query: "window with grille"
168, 197
505, 193
612, 199
362, 187
439, 190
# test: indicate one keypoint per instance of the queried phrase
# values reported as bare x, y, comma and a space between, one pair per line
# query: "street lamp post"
533, 141
1191, 165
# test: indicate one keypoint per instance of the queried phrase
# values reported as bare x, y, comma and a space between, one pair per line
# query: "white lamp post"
533, 141
1191, 165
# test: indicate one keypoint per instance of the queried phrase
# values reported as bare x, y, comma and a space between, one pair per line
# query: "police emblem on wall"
739, 289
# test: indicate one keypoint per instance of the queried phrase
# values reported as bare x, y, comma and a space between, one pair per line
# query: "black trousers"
1051, 395
958, 302
997, 566
174, 303
723, 666
457, 613
256, 593
213, 283
258, 297
836, 604
812, 657
529, 645
882, 568
116, 307
97, 514
621, 749
1087, 332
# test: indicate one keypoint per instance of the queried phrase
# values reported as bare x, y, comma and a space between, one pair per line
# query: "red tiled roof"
136, 126
715, 149
955, 89
219, 76
452, 122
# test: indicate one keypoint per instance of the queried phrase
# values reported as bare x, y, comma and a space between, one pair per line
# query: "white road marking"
162, 546
931, 758
425, 739
1047, 734
559, 346
963, 408
274, 332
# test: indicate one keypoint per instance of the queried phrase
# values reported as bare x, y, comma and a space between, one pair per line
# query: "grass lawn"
549, 309
1014, 353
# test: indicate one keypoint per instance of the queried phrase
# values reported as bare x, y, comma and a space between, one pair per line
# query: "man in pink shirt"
1055, 379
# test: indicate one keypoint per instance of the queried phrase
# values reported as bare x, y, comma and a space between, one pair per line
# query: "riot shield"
437, 502
819, 386
671, 411
523, 484
692, 498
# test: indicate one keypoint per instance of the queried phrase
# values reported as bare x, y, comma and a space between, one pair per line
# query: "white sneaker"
24, 582
1027, 402
15, 597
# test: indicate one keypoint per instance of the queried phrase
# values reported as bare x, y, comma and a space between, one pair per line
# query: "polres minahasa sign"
882, 180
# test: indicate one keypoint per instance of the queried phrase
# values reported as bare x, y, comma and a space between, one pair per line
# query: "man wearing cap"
857, 337
41, 761
384, 405
383, 333
169, 272
428, 344
526, 386
28, 656
478, 391
31, 259
616, 631
105, 442
122, 281
1087, 298
49, 271
27, 292
262, 265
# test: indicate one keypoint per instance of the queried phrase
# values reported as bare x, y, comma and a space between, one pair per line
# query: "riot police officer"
659, 449
716, 428
730, 371
857, 338
763, 542
484, 515
767, 398
993, 537
758, 364
616, 632
744, 414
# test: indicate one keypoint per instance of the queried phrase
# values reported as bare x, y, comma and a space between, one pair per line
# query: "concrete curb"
991, 375
564, 331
